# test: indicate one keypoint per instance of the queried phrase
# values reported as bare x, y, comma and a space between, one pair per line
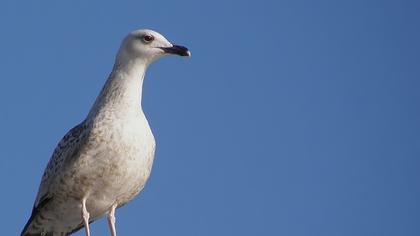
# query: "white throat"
122, 91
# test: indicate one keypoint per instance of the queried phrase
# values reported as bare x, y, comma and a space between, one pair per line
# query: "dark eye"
148, 38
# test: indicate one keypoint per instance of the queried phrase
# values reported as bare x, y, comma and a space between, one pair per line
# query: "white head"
147, 46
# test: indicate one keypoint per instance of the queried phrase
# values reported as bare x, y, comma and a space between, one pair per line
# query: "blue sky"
291, 118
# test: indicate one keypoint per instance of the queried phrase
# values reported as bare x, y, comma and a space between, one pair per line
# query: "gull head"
147, 46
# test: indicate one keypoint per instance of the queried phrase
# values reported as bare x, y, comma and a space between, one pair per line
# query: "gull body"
105, 161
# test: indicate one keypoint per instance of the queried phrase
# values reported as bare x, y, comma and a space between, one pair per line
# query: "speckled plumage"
108, 157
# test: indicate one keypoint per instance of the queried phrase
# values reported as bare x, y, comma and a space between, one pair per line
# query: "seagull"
105, 161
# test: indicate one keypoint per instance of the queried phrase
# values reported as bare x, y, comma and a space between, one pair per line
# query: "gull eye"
148, 38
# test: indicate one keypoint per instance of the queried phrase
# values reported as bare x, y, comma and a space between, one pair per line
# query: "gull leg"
111, 220
85, 216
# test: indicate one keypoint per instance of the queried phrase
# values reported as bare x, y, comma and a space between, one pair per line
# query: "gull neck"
122, 91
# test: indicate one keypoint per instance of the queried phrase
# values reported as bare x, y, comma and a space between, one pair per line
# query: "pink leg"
111, 220
85, 216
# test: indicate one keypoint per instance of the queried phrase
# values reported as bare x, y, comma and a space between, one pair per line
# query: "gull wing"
66, 149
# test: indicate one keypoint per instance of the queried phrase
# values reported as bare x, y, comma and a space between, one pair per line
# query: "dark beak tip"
178, 50
187, 54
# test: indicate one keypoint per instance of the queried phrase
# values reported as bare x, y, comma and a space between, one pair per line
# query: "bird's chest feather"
117, 160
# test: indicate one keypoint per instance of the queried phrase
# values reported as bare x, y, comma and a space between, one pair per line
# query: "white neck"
122, 91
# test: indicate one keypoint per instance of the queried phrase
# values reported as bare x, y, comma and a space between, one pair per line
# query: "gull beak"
178, 50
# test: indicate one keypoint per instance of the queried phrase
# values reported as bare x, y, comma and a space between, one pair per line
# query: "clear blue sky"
291, 118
